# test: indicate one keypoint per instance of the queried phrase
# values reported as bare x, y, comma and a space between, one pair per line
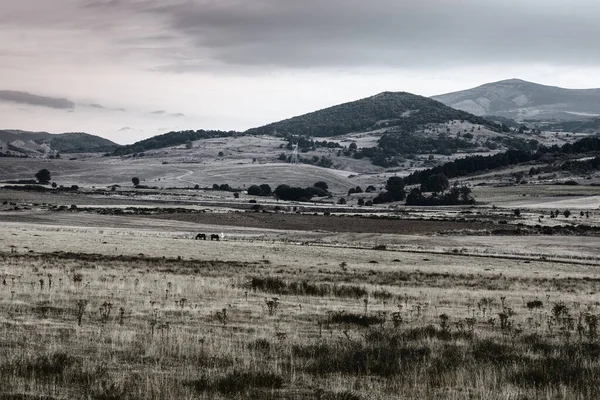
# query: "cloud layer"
35, 100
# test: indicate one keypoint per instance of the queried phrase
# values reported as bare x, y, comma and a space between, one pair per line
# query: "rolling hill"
402, 110
522, 100
77, 142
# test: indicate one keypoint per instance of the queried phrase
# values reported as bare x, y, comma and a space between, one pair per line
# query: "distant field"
540, 196
109, 171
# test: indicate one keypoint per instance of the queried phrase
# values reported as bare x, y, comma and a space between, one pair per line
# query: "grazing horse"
214, 236
201, 236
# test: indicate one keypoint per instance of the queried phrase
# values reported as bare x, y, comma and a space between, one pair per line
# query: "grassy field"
132, 313
103, 172
105, 295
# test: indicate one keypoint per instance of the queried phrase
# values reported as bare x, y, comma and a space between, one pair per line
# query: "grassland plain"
148, 313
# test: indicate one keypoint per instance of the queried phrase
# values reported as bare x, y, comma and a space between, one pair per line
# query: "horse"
201, 236
214, 236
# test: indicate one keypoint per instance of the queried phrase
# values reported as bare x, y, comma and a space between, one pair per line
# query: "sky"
131, 69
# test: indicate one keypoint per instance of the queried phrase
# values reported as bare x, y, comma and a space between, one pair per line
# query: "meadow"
147, 315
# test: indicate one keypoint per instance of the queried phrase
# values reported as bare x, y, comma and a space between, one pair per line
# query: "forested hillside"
402, 110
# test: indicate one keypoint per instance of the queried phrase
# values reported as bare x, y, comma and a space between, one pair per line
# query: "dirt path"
188, 172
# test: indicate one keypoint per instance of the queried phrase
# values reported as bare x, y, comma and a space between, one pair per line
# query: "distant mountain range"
33, 143
522, 100
403, 110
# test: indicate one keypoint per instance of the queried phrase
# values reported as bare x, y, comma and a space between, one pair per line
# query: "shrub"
366, 321
381, 354
239, 382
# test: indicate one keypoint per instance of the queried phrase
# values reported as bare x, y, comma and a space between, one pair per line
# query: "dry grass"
154, 327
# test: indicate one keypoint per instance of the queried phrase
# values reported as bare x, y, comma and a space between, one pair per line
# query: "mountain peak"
518, 99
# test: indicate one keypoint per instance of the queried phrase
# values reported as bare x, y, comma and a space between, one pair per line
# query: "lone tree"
43, 176
135, 181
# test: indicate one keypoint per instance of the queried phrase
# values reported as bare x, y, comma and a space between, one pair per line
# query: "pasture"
144, 311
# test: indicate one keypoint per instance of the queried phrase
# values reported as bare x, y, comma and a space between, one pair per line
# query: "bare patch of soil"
303, 222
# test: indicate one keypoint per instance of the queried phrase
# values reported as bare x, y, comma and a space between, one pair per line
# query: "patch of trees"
393, 147
581, 166
355, 190
473, 164
576, 166
436, 183
260, 190
394, 191
514, 143
289, 193
224, 187
171, 139
306, 144
453, 197
468, 165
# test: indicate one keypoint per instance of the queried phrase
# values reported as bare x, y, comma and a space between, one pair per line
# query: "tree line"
472, 164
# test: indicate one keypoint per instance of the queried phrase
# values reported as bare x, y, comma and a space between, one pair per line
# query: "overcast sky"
130, 69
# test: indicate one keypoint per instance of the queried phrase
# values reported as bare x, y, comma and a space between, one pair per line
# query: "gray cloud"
379, 33
177, 115
200, 35
158, 112
35, 100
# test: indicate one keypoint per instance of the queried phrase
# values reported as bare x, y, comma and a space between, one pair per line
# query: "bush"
381, 354
239, 382
305, 288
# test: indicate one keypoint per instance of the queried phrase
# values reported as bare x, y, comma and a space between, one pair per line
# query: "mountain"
403, 110
33, 142
522, 100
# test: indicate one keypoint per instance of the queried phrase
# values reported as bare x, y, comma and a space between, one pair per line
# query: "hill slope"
518, 99
76, 142
399, 109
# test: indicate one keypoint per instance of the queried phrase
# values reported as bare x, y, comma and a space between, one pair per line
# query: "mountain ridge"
519, 99
29, 142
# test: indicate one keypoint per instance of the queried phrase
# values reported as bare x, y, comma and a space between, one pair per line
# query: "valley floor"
418, 304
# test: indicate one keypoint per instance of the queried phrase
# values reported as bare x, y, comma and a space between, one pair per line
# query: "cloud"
94, 105
195, 36
380, 33
35, 100
164, 113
